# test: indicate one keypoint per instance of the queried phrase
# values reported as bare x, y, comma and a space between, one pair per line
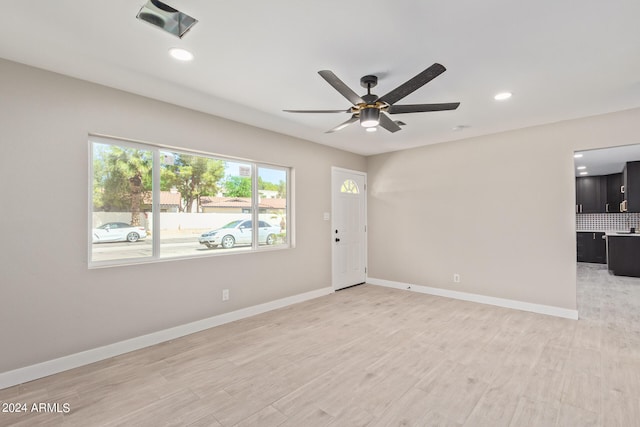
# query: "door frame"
333, 224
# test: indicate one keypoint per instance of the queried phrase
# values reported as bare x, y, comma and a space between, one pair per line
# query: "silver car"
239, 232
118, 232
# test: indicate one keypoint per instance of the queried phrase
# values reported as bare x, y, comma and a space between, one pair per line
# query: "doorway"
348, 227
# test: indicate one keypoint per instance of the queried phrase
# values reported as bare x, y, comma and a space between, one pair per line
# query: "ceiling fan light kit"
373, 111
369, 117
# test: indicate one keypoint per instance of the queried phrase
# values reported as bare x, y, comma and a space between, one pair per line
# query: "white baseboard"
482, 299
50, 367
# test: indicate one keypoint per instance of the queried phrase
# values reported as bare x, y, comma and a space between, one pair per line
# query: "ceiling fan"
372, 111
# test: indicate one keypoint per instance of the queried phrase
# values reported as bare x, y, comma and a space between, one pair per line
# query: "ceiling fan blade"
339, 85
317, 111
388, 124
422, 108
414, 84
343, 125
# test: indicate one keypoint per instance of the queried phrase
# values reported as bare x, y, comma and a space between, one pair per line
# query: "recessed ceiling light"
502, 96
581, 168
584, 173
180, 54
460, 127
577, 155
371, 129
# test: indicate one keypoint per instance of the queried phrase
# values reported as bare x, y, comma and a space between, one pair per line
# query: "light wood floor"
371, 356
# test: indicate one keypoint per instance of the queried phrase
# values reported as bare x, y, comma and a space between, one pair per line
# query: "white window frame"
156, 226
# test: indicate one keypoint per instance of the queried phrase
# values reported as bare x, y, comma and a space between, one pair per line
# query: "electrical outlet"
225, 295
456, 278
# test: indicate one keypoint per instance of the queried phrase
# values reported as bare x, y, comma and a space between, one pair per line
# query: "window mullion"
255, 203
155, 203
289, 206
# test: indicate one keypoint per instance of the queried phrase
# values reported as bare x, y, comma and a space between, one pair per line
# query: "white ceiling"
253, 59
606, 161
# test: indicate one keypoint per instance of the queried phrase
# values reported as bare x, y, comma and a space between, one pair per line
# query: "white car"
118, 232
239, 232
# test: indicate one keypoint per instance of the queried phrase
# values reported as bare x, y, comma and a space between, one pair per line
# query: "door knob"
337, 240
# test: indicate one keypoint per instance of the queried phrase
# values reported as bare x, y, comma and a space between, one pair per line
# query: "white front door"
348, 227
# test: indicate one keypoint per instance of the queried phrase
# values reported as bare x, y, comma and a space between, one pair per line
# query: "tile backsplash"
604, 222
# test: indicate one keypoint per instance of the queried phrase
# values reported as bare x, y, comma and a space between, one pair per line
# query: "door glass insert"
349, 186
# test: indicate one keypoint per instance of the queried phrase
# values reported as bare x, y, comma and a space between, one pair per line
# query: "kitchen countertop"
622, 233
612, 232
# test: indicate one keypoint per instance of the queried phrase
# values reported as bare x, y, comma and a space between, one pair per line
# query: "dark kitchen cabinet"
592, 247
591, 194
631, 178
614, 192
624, 255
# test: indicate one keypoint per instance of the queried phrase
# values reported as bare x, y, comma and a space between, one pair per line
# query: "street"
169, 247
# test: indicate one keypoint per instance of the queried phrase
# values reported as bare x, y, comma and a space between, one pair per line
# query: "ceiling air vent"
166, 18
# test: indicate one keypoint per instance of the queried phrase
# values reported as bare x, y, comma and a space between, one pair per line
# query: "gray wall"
498, 210
51, 304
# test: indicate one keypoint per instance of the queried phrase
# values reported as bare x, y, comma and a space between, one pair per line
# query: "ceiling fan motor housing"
370, 98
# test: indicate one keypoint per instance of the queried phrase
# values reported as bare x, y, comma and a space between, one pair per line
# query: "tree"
98, 187
265, 185
122, 178
193, 177
281, 187
237, 186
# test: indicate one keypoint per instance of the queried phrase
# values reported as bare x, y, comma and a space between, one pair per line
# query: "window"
349, 186
152, 203
121, 202
272, 206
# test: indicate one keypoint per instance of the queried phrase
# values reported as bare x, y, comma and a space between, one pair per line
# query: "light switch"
327, 216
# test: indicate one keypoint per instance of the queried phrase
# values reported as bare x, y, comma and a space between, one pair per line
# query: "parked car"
118, 232
239, 232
